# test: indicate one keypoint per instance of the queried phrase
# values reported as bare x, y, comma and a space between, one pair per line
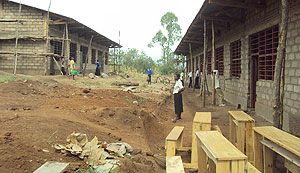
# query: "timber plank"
52, 167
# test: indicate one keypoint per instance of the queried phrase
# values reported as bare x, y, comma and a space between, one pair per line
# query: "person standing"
97, 73
177, 92
191, 79
63, 70
149, 71
182, 77
196, 85
72, 68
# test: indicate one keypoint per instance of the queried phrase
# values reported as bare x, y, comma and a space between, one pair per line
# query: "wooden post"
67, 55
191, 57
47, 41
59, 68
114, 59
204, 65
213, 56
277, 104
17, 38
88, 54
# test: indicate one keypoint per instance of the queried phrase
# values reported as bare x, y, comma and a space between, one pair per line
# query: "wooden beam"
17, 38
202, 88
221, 18
213, 57
88, 54
237, 4
62, 23
194, 41
21, 20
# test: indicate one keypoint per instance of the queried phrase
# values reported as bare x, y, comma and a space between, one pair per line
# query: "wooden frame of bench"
240, 128
219, 153
174, 140
269, 139
174, 165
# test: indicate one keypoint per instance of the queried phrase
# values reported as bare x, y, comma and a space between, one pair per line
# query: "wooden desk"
269, 139
240, 131
222, 155
201, 122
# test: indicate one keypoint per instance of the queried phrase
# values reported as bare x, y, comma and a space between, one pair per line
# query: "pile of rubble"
100, 155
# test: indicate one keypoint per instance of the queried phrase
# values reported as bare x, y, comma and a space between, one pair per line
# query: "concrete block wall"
237, 90
10, 10
291, 103
26, 64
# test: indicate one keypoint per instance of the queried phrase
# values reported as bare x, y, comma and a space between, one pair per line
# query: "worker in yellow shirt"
72, 68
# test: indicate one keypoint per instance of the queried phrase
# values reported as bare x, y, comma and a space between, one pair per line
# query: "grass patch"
10, 77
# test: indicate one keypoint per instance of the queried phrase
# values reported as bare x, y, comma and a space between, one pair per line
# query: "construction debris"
131, 89
126, 83
52, 167
103, 75
91, 76
97, 152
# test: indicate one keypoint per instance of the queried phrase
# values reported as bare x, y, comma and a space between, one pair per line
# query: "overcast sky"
138, 20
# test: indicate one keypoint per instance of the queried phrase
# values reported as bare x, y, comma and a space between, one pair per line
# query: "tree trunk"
277, 93
204, 66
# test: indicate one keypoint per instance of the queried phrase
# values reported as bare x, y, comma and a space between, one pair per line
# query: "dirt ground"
37, 112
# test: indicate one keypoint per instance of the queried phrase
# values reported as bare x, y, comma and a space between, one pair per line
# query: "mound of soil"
34, 115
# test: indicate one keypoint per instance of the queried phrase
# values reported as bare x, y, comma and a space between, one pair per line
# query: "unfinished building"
33, 41
246, 39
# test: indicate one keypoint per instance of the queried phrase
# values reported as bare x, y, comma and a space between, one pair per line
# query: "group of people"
197, 78
71, 68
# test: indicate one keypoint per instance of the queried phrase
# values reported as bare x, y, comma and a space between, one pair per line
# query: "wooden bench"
269, 139
174, 165
174, 140
218, 153
240, 132
201, 122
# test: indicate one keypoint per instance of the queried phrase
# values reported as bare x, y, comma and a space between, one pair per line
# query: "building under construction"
243, 48
33, 41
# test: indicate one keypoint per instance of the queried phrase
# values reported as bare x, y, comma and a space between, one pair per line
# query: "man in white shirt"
177, 92
196, 85
190, 75
182, 77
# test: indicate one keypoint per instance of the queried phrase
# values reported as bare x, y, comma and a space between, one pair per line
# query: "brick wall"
292, 74
27, 64
237, 90
33, 64
10, 11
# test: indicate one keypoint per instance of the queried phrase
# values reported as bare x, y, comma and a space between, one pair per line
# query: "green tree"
169, 23
129, 57
133, 59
